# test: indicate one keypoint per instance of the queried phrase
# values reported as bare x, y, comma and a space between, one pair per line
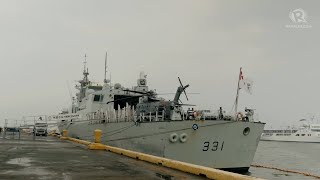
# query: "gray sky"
204, 42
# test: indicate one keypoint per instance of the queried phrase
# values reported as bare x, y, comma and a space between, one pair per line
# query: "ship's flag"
245, 83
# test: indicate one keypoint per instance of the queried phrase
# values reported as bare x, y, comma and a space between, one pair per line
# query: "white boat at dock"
305, 133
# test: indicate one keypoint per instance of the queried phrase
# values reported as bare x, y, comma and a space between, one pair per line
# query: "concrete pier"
52, 158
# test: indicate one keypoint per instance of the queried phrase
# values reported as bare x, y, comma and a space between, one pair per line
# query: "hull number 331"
214, 146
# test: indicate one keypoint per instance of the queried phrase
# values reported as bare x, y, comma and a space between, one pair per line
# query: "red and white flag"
245, 83
241, 75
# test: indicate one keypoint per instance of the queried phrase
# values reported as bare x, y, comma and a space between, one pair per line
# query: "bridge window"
98, 98
122, 100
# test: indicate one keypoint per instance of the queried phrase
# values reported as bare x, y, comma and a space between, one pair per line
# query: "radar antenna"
180, 89
184, 89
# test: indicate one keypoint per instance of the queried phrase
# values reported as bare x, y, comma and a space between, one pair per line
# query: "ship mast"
106, 81
85, 71
85, 81
237, 97
105, 67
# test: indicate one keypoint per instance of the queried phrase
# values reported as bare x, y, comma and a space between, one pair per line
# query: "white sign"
64, 117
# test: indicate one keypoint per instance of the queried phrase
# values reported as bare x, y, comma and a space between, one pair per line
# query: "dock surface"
51, 158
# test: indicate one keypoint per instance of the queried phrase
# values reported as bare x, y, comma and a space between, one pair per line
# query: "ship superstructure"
137, 119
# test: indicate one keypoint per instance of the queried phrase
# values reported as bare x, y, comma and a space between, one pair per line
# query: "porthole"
246, 131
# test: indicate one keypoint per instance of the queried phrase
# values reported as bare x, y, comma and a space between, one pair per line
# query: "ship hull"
228, 145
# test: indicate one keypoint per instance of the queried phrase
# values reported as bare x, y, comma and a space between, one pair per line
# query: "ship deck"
51, 158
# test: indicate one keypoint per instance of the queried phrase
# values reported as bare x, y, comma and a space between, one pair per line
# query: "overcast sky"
205, 42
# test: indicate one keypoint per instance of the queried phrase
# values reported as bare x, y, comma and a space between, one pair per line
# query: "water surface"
304, 157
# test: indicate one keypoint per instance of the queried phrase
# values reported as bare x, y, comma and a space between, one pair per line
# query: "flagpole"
237, 97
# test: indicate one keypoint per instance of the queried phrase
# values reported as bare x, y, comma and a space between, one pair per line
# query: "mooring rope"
286, 170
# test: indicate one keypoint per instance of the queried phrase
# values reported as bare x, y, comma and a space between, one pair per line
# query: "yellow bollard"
97, 136
64, 134
97, 141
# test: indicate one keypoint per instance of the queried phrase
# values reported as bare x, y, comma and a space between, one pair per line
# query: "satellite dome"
117, 86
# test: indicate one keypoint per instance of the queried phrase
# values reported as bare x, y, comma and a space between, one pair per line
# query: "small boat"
305, 133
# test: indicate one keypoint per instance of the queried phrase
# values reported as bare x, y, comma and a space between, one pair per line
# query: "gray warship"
137, 119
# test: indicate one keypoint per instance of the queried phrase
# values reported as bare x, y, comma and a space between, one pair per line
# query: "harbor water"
297, 156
